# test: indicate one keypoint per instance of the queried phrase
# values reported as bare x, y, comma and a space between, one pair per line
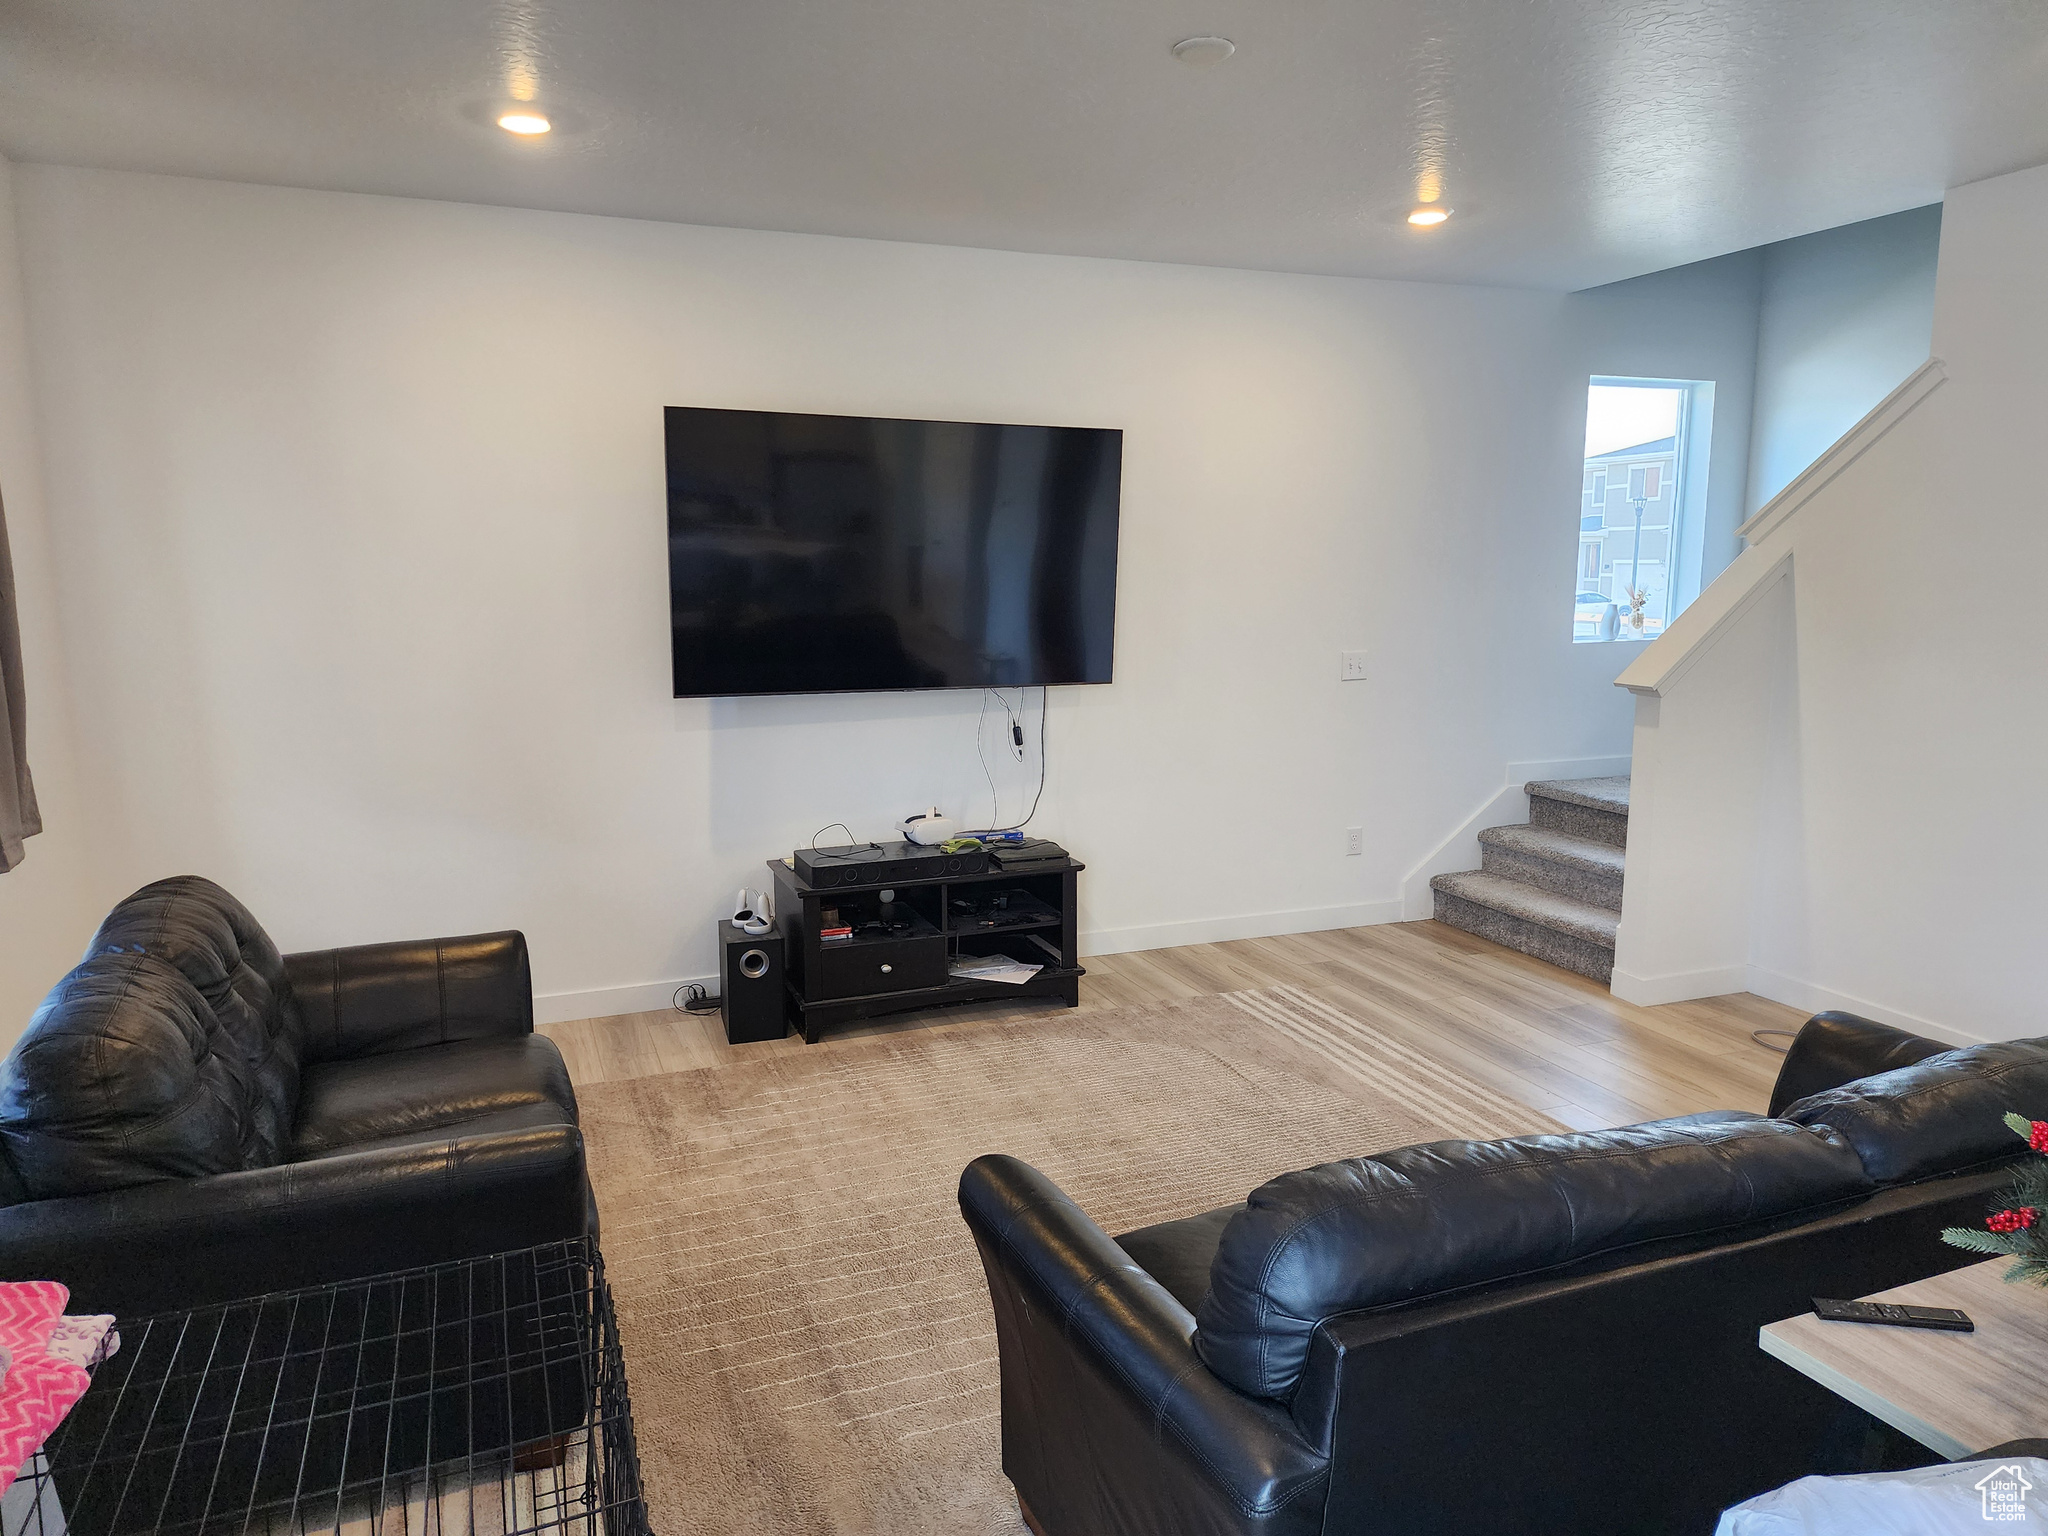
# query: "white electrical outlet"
1351, 667
1354, 842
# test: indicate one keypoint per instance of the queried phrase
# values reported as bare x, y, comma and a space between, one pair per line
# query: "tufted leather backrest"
171, 1051
1941, 1114
1374, 1231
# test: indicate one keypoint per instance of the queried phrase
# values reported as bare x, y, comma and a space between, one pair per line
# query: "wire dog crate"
485, 1397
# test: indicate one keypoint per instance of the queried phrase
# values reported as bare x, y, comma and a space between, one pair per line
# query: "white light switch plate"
1352, 666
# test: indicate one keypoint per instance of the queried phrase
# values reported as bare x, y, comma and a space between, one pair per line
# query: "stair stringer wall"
1703, 793
1901, 839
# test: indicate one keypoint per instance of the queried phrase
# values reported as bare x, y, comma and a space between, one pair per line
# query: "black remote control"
1897, 1316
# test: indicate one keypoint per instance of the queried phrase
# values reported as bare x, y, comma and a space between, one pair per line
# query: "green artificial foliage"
2020, 1226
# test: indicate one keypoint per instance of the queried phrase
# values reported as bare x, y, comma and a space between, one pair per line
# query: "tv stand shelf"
1028, 915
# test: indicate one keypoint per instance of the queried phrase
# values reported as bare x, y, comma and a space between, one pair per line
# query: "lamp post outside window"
1635, 574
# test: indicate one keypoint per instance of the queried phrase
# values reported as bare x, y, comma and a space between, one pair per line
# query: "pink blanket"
47, 1356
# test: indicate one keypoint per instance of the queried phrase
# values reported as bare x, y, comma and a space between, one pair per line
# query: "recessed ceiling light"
1203, 50
531, 122
1428, 218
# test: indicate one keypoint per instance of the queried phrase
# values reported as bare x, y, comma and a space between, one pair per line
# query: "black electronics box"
883, 864
1032, 853
750, 992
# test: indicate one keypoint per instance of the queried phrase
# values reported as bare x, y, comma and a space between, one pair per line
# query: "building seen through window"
1634, 510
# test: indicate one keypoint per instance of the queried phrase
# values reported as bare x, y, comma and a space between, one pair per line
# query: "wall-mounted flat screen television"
828, 554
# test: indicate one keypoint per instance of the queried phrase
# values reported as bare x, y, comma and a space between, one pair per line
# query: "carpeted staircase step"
1581, 868
1574, 934
1596, 809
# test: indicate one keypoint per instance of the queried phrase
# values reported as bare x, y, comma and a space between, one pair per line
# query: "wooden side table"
1955, 1393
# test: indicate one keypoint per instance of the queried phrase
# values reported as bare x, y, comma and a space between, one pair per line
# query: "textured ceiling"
1579, 140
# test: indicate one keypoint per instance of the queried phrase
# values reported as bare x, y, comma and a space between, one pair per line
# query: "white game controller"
753, 912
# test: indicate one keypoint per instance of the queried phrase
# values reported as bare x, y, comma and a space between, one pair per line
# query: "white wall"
1915, 885
1844, 316
360, 518
1695, 322
1703, 775
1900, 873
47, 901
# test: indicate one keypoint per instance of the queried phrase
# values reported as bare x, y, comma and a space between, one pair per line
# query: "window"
1639, 551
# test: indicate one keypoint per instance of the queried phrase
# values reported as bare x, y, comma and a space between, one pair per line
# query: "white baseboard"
1808, 997
1644, 991
610, 1002
652, 996
1250, 925
1503, 808
1811, 997
1679, 986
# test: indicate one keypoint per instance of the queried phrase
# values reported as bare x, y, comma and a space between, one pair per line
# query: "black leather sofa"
192, 1117
1552, 1335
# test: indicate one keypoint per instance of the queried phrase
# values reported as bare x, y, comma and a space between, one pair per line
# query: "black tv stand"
901, 954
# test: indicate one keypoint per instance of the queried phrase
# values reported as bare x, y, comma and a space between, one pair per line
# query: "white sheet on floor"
1972, 1496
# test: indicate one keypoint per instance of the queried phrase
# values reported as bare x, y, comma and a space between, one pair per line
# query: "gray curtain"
19, 817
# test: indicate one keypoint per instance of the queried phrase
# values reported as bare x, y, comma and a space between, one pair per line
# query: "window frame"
1684, 546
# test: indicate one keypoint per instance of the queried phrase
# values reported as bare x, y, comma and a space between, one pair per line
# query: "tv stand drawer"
900, 965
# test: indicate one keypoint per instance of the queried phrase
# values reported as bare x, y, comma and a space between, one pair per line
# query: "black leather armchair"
193, 1117
1111, 1423
1835, 1049
1546, 1335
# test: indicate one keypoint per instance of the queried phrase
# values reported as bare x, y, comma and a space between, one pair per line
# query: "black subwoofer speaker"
750, 986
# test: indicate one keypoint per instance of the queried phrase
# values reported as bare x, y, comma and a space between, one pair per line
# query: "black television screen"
825, 554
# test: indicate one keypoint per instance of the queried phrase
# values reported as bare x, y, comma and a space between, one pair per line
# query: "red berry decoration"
2020, 1230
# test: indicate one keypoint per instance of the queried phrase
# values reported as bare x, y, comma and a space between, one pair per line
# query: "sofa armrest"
372, 998
1110, 1420
1836, 1048
193, 1242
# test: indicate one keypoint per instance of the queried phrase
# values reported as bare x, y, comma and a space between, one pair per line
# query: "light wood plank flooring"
1553, 1040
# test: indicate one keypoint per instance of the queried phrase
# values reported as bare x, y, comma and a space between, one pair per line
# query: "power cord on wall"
981, 751
995, 809
691, 997
1038, 793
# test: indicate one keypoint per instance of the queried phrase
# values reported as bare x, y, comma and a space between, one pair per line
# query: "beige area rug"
807, 1330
